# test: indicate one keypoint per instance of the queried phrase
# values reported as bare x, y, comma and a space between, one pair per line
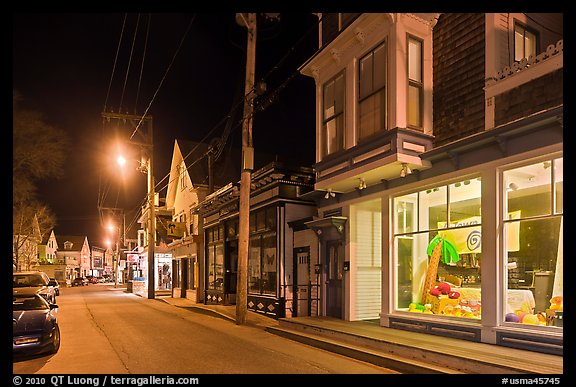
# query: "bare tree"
30, 224
38, 153
38, 150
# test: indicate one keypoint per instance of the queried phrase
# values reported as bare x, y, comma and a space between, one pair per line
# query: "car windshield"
28, 303
19, 281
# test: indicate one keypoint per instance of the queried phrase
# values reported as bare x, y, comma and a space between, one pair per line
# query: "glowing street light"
121, 160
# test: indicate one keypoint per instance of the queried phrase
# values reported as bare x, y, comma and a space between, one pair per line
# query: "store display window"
262, 257
534, 243
215, 253
437, 244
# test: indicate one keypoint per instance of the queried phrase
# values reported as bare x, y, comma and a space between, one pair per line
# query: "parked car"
34, 325
53, 282
92, 279
34, 282
79, 281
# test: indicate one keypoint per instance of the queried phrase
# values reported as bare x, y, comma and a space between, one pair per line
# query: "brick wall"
540, 94
458, 71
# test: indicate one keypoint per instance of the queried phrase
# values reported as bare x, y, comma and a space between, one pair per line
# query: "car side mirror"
53, 306
52, 283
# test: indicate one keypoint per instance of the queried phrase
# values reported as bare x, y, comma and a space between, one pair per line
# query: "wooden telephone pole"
148, 149
249, 21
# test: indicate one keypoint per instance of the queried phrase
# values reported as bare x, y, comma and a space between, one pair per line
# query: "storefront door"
302, 284
334, 276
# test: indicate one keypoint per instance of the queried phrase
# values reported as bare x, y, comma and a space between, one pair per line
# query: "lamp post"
146, 166
116, 253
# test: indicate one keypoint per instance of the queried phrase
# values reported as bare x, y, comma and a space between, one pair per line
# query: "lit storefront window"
215, 251
437, 243
534, 200
262, 259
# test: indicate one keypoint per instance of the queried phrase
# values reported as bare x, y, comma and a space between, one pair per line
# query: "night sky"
63, 66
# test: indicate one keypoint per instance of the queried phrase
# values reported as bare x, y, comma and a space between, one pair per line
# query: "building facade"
193, 175
74, 253
439, 174
275, 205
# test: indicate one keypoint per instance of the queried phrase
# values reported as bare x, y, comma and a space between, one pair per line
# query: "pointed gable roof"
76, 240
194, 155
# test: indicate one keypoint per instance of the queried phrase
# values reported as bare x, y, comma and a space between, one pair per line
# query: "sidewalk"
405, 351
227, 312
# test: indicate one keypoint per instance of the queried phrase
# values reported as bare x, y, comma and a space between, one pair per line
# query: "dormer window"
68, 245
372, 93
333, 120
525, 42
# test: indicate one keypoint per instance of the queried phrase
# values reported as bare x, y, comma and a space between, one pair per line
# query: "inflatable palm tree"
439, 249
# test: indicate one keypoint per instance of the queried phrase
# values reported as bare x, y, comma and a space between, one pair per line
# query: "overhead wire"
164, 77
142, 67
272, 97
270, 100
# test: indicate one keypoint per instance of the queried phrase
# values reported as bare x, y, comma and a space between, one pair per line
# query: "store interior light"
362, 184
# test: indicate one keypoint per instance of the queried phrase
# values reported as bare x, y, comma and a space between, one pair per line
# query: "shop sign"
175, 229
133, 258
467, 240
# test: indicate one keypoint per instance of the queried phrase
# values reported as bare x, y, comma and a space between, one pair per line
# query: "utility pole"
151, 219
147, 147
249, 21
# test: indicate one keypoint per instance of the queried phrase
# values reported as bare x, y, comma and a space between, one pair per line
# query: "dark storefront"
274, 201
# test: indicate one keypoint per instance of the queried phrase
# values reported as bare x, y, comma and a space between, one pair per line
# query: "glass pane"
271, 218
365, 76
415, 60
535, 273
530, 44
219, 267
211, 276
260, 220
334, 134
269, 264
254, 266
379, 67
329, 100
433, 208
528, 189
414, 106
465, 203
366, 117
518, 43
559, 182
404, 208
339, 94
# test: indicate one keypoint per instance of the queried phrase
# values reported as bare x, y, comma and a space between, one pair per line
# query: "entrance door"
302, 285
334, 276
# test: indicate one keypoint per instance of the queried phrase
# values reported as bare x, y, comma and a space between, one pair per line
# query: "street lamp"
146, 166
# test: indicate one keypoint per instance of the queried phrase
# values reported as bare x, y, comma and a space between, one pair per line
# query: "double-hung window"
372, 93
525, 42
333, 120
415, 83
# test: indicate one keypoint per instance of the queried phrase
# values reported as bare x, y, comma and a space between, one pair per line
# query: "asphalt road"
108, 331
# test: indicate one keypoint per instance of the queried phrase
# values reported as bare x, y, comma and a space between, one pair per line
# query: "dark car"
34, 325
79, 281
33, 282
